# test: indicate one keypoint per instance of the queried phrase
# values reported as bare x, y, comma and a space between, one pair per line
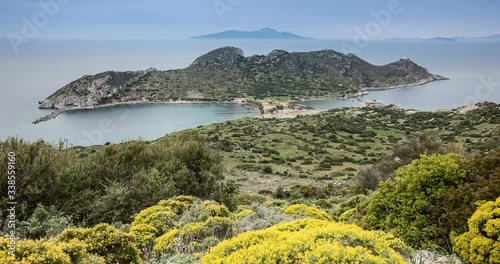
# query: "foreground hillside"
356, 185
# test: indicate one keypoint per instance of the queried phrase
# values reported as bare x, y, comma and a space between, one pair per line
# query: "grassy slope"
330, 147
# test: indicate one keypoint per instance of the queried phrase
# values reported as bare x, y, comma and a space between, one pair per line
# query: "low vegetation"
370, 185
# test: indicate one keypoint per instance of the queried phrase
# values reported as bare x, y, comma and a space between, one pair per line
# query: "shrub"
307, 211
243, 213
352, 210
176, 206
214, 209
144, 233
173, 259
166, 242
77, 251
410, 205
260, 217
308, 241
307, 191
481, 243
115, 181
188, 237
34, 252
45, 222
114, 245
347, 215
247, 199
196, 213
268, 169
421, 143
402, 154
184, 199
324, 204
160, 217
482, 182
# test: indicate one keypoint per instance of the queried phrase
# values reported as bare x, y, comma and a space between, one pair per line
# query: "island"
226, 75
446, 39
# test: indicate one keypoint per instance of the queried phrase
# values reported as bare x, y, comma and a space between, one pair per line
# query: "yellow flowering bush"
345, 216
178, 204
48, 251
215, 209
160, 217
309, 241
481, 244
77, 251
166, 242
34, 252
184, 198
307, 211
144, 233
114, 245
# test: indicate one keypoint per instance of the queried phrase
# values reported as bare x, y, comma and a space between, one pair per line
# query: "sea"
42, 66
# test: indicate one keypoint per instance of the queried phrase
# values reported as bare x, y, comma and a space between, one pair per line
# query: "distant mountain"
492, 37
441, 39
265, 33
424, 39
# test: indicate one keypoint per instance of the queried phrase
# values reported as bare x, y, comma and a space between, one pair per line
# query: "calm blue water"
43, 66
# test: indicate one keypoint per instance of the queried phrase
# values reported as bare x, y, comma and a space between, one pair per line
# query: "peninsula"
226, 75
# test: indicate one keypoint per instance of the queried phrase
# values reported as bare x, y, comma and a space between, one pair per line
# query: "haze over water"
44, 66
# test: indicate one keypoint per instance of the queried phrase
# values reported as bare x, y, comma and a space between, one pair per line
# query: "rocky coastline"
292, 112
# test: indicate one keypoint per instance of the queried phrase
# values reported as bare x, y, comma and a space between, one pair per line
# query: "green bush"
115, 181
410, 206
481, 243
45, 222
482, 183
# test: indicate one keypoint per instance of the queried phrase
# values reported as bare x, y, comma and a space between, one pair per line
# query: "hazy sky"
185, 18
